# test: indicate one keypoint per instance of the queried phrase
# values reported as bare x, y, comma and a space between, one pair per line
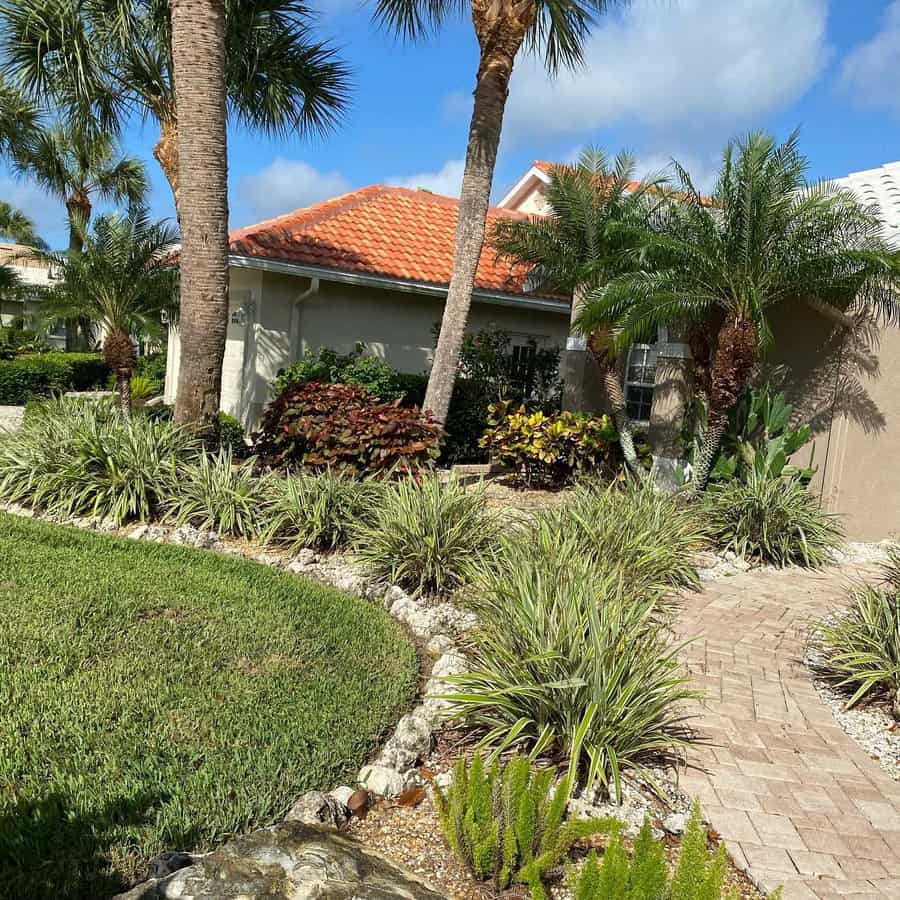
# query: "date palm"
121, 283
555, 28
765, 237
596, 215
115, 57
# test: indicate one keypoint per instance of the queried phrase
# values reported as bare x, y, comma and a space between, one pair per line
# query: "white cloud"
869, 73
689, 65
447, 181
286, 184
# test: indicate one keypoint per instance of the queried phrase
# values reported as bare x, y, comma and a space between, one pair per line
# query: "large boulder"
290, 861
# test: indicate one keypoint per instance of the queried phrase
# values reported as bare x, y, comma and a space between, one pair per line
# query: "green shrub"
340, 426
38, 375
328, 366
775, 520
699, 874
232, 436
760, 437
550, 448
859, 647
651, 537
83, 458
567, 660
507, 825
211, 492
318, 510
426, 535
153, 367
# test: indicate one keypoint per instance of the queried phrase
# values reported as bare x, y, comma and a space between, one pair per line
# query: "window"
640, 377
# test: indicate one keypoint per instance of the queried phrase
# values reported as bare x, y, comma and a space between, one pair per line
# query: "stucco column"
671, 401
583, 389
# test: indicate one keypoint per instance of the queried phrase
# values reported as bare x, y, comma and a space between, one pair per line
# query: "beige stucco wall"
287, 320
855, 415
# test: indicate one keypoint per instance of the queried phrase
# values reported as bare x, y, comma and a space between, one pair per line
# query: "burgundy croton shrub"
341, 426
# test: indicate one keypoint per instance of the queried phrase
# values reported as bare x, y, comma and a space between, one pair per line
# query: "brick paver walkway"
797, 801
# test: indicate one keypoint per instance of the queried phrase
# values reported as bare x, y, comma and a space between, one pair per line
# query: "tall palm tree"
117, 57
199, 56
120, 282
597, 213
18, 118
80, 167
764, 238
557, 29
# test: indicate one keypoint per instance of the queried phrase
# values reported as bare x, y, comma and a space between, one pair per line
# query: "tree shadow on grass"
49, 851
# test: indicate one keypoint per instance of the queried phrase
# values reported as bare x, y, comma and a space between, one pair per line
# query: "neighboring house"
34, 274
369, 267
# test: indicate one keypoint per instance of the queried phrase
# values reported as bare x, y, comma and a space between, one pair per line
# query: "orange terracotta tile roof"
379, 230
548, 167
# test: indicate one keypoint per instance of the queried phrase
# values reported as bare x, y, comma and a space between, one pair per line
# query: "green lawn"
155, 697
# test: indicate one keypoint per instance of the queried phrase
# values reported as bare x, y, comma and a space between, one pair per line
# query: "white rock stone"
138, 533
382, 781
410, 741
675, 823
439, 645
342, 794
189, 536
316, 808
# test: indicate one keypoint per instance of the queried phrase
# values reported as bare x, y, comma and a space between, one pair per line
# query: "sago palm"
555, 28
121, 283
765, 237
596, 214
114, 58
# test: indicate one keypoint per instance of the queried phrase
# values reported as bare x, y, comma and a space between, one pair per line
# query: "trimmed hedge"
43, 374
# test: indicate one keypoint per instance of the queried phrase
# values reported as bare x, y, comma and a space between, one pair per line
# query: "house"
373, 266
370, 267
34, 274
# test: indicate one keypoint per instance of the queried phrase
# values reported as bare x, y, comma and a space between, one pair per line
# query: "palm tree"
558, 29
765, 237
18, 118
16, 225
121, 282
80, 167
597, 212
199, 57
110, 59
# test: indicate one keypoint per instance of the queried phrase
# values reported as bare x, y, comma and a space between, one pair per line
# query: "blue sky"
664, 78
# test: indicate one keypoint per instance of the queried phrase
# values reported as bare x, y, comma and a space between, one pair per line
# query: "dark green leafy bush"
859, 647
231, 436
426, 535
569, 660
699, 874
506, 825
774, 520
330, 367
153, 367
550, 449
37, 375
342, 427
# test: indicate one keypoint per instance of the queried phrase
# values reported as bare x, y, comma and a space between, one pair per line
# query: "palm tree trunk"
481, 155
78, 210
732, 367
123, 389
198, 52
623, 424
166, 152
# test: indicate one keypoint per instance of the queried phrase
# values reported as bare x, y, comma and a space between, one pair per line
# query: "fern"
508, 824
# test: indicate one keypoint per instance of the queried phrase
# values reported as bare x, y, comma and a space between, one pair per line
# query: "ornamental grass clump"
426, 535
318, 511
506, 825
774, 520
568, 660
212, 492
858, 648
650, 536
77, 458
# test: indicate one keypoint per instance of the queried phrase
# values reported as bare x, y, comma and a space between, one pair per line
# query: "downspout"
311, 291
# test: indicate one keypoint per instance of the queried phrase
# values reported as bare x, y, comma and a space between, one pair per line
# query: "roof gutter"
395, 284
